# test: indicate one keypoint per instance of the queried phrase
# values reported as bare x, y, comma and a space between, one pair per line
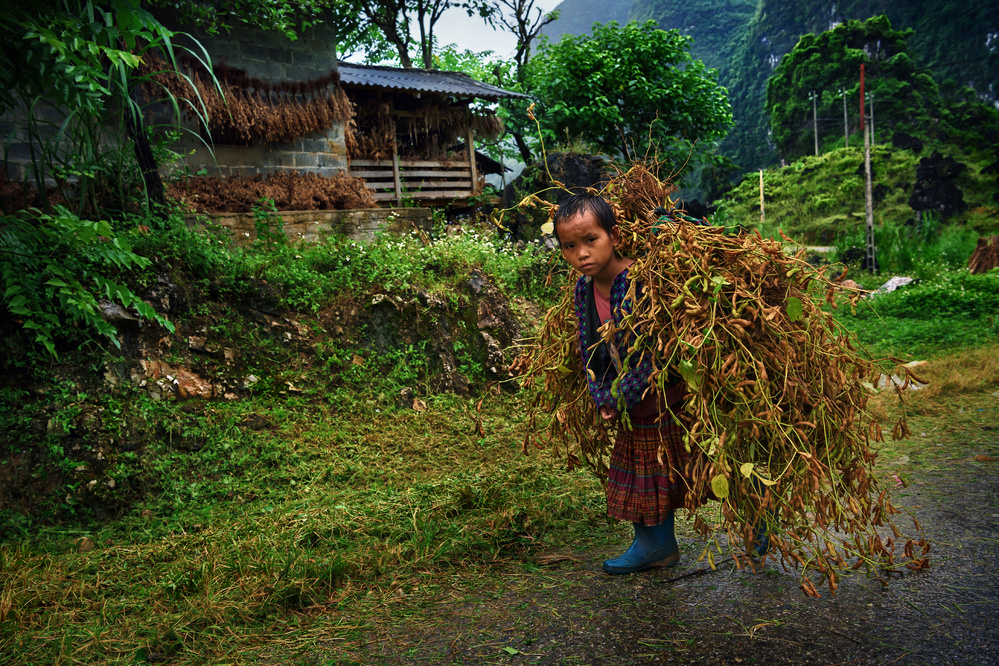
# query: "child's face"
586, 245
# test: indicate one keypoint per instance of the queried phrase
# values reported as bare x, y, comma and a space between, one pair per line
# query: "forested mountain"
746, 39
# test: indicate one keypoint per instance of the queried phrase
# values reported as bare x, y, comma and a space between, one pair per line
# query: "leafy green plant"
946, 309
269, 225
55, 272
613, 110
70, 80
922, 250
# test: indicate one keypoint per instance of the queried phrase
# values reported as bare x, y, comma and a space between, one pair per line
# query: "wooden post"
846, 120
471, 159
871, 259
815, 121
762, 215
872, 118
396, 174
862, 97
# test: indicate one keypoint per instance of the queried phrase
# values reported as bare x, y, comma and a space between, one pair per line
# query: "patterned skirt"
640, 488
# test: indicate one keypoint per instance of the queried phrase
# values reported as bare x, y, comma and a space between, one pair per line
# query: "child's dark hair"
584, 202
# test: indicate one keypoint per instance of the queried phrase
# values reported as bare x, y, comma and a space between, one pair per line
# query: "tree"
906, 97
626, 89
396, 18
830, 62
525, 22
287, 17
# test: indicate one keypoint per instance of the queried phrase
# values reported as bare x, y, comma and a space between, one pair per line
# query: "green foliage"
311, 275
713, 24
948, 309
626, 89
68, 78
287, 17
268, 225
923, 249
821, 200
55, 270
826, 64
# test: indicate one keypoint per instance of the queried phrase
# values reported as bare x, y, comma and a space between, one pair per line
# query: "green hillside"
821, 201
714, 24
578, 16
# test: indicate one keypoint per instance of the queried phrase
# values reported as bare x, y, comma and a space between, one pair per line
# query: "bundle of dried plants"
777, 393
244, 110
986, 255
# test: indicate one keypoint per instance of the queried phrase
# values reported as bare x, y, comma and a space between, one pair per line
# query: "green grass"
940, 314
259, 531
300, 529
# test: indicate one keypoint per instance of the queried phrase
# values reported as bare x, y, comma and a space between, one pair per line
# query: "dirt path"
571, 613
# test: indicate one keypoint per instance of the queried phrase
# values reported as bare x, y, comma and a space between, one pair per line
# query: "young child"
639, 487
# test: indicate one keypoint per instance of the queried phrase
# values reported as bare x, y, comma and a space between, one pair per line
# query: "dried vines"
426, 128
777, 395
289, 191
250, 109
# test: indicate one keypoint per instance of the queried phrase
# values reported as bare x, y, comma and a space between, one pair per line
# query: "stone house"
409, 134
289, 106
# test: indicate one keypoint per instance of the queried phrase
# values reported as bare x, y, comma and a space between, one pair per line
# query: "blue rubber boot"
653, 546
761, 542
761, 537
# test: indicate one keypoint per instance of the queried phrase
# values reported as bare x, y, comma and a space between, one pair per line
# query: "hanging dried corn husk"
777, 394
243, 109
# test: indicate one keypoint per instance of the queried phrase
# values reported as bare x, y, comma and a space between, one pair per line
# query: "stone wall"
310, 225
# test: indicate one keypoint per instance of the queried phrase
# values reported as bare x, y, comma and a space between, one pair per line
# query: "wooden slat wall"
419, 180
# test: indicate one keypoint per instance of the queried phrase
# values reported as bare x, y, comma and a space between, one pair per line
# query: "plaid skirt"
639, 487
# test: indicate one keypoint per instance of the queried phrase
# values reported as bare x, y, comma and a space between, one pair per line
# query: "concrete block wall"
273, 58
19, 151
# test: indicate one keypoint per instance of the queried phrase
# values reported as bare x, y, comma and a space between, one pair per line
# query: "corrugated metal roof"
458, 84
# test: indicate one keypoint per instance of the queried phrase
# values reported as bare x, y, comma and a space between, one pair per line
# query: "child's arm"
629, 386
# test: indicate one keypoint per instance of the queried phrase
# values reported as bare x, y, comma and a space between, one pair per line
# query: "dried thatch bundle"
487, 125
777, 395
986, 255
243, 109
424, 128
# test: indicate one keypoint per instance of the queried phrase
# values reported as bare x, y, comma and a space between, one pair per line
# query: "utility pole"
868, 194
762, 216
872, 118
815, 119
846, 119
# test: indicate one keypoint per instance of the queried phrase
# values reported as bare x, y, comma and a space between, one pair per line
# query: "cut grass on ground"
359, 527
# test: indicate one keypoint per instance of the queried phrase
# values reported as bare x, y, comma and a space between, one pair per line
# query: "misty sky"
456, 27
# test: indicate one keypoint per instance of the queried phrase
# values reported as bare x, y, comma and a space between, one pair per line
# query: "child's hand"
608, 413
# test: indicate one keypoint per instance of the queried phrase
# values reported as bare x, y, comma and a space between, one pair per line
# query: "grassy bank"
936, 315
314, 515
820, 200
302, 529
